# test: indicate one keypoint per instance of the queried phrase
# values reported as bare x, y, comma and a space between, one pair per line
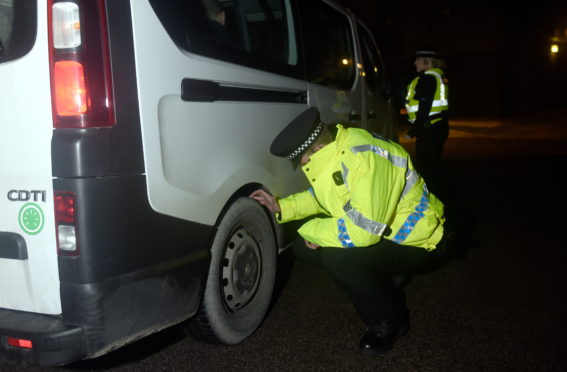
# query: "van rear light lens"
65, 207
81, 79
70, 92
65, 222
66, 25
19, 342
67, 238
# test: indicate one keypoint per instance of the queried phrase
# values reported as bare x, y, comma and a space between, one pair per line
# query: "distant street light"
554, 48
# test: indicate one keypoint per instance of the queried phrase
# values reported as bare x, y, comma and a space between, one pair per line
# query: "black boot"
379, 339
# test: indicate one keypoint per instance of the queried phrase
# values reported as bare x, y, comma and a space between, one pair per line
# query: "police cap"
427, 51
298, 135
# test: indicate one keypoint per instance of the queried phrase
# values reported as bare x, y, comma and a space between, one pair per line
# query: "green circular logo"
31, 218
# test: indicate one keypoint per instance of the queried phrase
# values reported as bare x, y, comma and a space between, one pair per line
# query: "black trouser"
365, 273
428, 151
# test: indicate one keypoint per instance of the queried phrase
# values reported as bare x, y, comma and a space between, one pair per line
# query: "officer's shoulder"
355, 136
427, 77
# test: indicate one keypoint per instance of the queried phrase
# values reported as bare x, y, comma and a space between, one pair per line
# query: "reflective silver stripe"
431, 72
364, 223
411, 178
398, 161
413, 108
345, 174
442, 101
436, 103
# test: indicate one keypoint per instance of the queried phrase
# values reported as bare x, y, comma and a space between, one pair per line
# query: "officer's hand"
267, 200
311, 245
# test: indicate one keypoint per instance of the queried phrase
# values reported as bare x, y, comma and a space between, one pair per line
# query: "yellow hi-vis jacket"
440, 100
369, 189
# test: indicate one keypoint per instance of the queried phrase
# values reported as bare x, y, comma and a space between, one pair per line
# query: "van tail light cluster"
81, 82
66, 223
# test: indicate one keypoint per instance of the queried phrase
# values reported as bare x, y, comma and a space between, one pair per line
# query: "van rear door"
29, 279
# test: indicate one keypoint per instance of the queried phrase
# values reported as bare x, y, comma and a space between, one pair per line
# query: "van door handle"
13, 246
193, 90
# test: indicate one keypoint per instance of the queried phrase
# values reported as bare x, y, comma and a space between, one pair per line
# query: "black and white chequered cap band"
307, 142
427, 53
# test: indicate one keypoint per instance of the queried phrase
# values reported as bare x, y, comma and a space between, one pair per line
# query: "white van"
131, 133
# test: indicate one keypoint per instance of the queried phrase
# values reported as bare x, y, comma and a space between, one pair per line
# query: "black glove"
410, 133
414, 131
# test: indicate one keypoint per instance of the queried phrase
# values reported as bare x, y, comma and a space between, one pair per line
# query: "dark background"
498, 55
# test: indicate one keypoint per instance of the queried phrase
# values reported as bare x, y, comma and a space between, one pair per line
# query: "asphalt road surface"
502, 307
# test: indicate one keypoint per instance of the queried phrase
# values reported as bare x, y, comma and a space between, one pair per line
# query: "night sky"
498, 55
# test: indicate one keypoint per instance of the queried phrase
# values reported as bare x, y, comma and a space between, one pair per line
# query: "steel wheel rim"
241, 269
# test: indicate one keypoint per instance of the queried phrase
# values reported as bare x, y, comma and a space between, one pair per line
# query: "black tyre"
241, 277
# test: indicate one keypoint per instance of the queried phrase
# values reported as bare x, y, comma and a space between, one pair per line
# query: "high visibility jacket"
440, 100
369, 189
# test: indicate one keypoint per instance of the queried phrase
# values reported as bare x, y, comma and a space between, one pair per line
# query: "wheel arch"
245, 191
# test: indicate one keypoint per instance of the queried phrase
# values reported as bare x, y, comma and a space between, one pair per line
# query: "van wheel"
241, 277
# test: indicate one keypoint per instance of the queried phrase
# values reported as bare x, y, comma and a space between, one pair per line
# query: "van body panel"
26, 193
240, 139
198, 154
123, 234
139, 271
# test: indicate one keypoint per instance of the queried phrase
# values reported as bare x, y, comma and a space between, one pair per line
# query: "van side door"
330, 60
379, 114
215, 89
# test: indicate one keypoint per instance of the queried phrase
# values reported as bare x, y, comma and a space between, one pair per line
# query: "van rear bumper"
53, 343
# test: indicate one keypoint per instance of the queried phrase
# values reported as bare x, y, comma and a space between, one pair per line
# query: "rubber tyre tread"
213, 323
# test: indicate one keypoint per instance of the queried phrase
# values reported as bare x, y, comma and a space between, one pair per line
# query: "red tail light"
70, 92
81, 82
19, 342
65, 223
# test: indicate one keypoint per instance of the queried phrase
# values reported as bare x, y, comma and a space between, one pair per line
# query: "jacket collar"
321, 159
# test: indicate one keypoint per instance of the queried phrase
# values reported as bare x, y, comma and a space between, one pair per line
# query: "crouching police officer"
372, 218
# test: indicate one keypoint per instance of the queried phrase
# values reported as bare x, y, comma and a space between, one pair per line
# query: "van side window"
373, 67
329, 51
255, 33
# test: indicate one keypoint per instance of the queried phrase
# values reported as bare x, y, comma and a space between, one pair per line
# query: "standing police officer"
427, 104
370, 217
